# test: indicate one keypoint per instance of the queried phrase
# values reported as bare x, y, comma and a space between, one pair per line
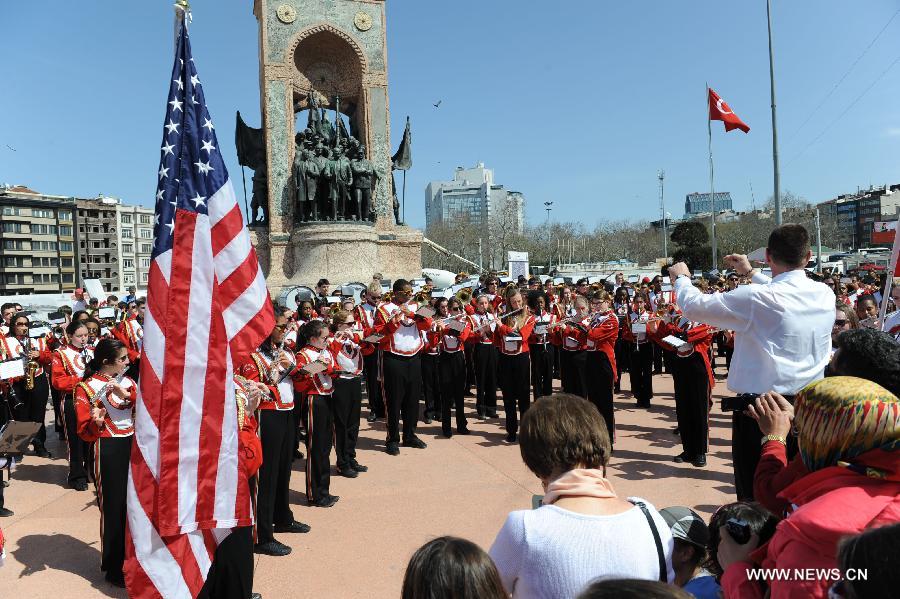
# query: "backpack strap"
663, 577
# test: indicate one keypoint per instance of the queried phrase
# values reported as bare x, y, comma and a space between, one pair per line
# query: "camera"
739, 403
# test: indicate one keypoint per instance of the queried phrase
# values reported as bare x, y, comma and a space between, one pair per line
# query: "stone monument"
324, 188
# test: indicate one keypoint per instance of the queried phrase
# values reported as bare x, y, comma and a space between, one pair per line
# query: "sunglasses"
840, 323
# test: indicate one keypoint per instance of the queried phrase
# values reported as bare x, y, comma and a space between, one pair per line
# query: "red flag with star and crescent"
720, 111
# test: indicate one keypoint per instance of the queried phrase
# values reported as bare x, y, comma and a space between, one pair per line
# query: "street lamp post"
548, 206
662, 209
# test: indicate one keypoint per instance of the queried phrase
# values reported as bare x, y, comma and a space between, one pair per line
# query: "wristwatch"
778, 438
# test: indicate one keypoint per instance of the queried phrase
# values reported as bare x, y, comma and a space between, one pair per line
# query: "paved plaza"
462, 486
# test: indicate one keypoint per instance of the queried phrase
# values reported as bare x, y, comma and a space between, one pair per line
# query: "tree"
692, 240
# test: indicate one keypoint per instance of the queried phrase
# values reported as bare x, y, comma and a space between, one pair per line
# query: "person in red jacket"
131, 332
346, 398
692, 376
849, 436
571, 334
365, 320
600, 351
452, 367
69, 363
33, 401
104, 405
511, 338
540, 344
315, 365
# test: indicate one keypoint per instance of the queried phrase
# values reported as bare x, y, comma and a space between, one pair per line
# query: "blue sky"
578, 102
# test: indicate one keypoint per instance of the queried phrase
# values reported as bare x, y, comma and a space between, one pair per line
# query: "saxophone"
31, 367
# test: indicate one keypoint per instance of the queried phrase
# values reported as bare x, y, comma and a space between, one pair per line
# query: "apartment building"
136, 245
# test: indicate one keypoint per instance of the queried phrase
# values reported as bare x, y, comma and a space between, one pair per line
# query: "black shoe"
5, 513
347, 472
699, 461
41, 451
492, 414
511, 437
358, 467
683, 457
677, 431
4, 483
643, 403
80, 485
371, 418
427, 419
255, 596
463, 431
273, 548
481, 416
116, 580
447, 434
392, 449
294, 526
327, 501
415, 443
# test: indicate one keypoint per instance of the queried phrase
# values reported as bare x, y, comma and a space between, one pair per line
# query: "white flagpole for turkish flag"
712, 195
889, 279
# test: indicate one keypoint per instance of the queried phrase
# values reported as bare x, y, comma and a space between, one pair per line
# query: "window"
146, 248
11, 211
145, 262
16, 261
65, 230
128, 263
44, 246
146, 234
65, 246
143, 277
67, 277
96, 245
66, 262
64, 215
126, 219
129, 279
126, 234
41, 213
13, 228
15, 244
10, 278
43, 229
146, 219
127, 248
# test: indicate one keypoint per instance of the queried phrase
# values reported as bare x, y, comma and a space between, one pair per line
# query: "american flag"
206, 302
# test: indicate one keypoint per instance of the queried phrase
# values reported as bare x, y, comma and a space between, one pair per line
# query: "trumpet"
464, 295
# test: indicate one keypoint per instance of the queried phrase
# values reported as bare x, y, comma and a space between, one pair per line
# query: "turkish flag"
720, 111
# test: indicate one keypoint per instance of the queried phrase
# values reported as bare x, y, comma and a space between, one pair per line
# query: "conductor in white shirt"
782, 331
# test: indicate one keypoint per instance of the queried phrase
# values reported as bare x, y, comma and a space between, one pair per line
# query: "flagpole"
403, 208
889, 279
712, 194
776, 173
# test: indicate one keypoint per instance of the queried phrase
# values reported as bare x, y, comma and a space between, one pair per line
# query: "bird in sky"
11, 148
438, 104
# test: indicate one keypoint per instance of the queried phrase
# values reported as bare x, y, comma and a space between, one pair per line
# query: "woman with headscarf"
849, 439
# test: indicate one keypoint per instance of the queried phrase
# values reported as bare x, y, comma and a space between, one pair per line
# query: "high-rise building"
473, 196
856, 213
37, 251
698, 203
98, 244
136, 245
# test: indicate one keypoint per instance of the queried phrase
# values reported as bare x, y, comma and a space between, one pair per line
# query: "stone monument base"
341, 252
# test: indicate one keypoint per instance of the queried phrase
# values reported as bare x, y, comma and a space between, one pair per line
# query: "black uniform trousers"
276, 434
113, 456
470, 367
485, 378
79, 451
641, 370
657, 358
599, 376
346, 405
33, 407
746, 450
514, 383
691, 403
568, 372
231, 572
373, 386
623, 360
319, 436
431, 385
541, 369
402, 380
452, 367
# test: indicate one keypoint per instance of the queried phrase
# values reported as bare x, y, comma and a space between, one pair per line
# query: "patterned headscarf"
842, 417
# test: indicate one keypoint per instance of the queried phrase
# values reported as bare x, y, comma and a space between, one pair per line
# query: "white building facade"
135, 246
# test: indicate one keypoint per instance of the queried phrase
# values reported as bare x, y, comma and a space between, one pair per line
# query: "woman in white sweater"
583, 531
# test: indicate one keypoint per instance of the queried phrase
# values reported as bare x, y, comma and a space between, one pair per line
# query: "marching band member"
104, 405
641, 354
272, 366
346, 397
622, 309
401, 365
131, 332
69, 364
485, 357
452, 368
318, 386
365, 318
692, 376
33, 390
511, 337
571, 333
431, 377
542, 350
600, 372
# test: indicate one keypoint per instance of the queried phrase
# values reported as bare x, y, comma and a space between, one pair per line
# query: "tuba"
464, 295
